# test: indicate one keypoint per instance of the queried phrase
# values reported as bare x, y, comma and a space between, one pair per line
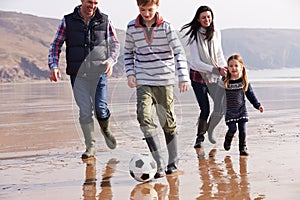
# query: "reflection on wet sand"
89, 186
159, 191
220, 181
173, 181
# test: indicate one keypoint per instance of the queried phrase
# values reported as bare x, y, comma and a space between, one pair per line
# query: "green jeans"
159, 99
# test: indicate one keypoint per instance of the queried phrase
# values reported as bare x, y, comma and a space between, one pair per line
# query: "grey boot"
89, 139
109, 138
213, 122
154, 147
171, 140
202, 127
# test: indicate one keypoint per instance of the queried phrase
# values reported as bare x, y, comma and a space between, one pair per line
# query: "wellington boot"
227, 142
88, 153
171, 140
213, 122
108, 136
243, 149
154, 147
199, 140
89, 139
202, 128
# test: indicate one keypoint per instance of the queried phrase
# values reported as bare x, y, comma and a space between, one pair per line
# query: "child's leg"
166, 115
171, 140
229, 135
242, 139
145, 119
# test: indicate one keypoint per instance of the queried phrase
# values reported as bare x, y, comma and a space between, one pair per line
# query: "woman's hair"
145, 2
195, 25
244, 77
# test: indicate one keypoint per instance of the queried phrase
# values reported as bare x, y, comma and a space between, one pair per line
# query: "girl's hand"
261, 109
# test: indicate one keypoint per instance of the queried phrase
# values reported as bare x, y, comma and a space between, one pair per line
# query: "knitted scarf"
206, 49
207, 52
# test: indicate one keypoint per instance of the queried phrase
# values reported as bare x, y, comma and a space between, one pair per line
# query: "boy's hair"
244, 77
145, 2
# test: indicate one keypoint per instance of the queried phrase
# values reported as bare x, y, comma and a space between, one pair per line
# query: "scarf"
206, 48
207, 52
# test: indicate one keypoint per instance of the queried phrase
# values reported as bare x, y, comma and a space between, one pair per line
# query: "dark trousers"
217, 94
232, 128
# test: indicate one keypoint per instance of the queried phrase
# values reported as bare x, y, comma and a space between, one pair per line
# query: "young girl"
237, 87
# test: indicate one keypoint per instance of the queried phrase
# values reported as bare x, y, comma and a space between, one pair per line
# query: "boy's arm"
129, 54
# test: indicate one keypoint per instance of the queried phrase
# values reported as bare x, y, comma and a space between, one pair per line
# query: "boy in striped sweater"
152, 54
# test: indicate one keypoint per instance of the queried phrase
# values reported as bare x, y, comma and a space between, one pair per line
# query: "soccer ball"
142, 167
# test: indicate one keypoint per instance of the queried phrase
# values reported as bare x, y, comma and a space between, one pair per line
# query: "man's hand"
183, 86
109, 68
55, 74
131, 81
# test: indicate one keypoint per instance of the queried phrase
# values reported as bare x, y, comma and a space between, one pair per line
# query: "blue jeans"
91, 94
217, 94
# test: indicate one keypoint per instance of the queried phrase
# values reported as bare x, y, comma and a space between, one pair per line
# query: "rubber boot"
89, 139
202, 127
171, 140
243, 148
154, 147
228, 140
109, 138
213, 122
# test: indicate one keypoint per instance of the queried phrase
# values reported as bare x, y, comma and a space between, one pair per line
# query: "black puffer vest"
86, 44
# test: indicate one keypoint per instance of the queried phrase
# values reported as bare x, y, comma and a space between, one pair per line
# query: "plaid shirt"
197, 76
56, 45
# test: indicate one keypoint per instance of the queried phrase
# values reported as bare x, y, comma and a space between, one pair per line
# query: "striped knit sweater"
235, 101
154, 56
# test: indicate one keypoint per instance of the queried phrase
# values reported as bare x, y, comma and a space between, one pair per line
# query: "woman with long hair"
207, 66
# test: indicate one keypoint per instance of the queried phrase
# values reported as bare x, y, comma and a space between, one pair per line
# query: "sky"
228, 13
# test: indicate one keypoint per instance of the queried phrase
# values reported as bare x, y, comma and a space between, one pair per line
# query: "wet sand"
41, 145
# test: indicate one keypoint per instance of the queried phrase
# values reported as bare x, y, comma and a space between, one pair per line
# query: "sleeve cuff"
216, 70
111, 61
53, 66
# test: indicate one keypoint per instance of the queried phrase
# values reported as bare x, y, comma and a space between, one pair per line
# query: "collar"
139, 22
